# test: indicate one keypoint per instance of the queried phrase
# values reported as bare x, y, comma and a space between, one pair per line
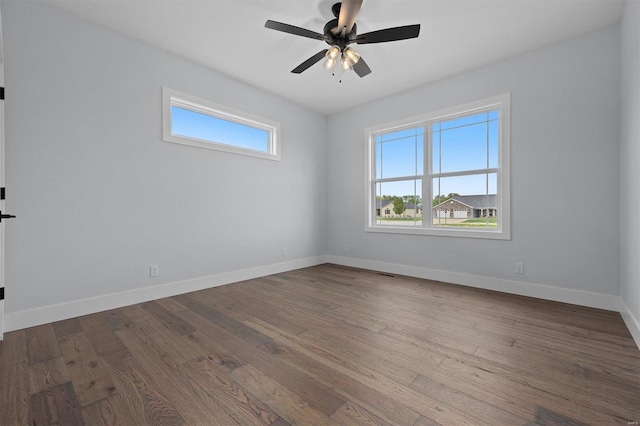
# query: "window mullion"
427, 187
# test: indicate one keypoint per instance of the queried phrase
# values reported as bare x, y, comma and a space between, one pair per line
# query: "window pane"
406, 211
378, 158
465, 143
463, 148
494, 136
207, 128
420, 155
465, 201
400, 153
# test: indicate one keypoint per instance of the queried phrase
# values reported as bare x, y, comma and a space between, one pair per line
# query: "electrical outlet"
519, 268
346, 248
154, 271
284, 252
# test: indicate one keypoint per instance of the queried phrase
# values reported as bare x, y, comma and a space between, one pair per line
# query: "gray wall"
99, 197
630, 161
564, 165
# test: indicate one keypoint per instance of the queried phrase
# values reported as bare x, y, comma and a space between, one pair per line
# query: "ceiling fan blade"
361, 68
389, 34
286, 28
348, 13
312, 60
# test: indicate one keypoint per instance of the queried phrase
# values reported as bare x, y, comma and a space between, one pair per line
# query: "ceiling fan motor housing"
337, 39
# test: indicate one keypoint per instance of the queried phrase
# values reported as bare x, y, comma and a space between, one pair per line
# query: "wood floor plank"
531, 395
396, 413
385, 346
425, 421
57, 405
435, 342
623, 404
41, 344
325, 300
239, 338
270, 313
579, 375
412, 399
168, 318
287, 404
14, 388
117, 319
47, 374
14, 348
341, 351
326, 344
243, 406
171, 305
214, 351
148, 405
351, 414
111, 411
66, 327
477, 408
193, 402
90, 379
381, 401
151, 330
102, 338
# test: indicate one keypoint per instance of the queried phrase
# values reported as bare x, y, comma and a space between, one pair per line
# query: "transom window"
188, 120
445, 173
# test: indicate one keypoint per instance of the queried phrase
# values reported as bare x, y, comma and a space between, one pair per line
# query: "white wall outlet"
519, 268
346, 248
154, 271
284, 252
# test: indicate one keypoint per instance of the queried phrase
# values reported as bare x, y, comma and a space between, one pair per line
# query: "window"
196, 122
445, 173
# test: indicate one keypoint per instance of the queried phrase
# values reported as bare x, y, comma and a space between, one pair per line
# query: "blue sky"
466, 143
205, 127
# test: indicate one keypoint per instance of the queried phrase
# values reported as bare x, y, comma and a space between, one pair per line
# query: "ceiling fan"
339, 33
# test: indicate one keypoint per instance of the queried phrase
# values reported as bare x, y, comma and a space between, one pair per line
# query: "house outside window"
453, 162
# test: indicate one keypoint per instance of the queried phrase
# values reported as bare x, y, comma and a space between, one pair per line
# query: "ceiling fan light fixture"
352, 56
345, 64
330, 63
333, 53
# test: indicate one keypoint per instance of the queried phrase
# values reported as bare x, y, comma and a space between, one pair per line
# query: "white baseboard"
540, 291
631, 321
46, 314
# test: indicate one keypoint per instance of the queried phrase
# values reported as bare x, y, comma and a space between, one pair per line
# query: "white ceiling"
456, 35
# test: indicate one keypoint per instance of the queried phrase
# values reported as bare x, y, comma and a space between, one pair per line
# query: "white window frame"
503, 230
172, 98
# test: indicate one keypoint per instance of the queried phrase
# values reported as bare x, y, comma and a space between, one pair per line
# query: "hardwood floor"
326, 345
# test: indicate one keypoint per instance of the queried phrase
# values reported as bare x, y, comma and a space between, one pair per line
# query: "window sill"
493, 234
